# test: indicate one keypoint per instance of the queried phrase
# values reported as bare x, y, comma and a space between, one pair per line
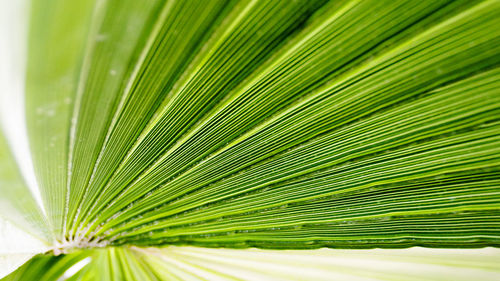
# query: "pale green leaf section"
326, 264
14, 17
191, 263
57, 39
16, 247
24, 231
17, 204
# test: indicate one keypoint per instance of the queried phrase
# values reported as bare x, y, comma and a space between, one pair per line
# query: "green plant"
283, 125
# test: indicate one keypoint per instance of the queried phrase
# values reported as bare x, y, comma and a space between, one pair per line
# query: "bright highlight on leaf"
157, 126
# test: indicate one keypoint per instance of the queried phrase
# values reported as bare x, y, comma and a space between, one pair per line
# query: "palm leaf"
24, 231
283, 125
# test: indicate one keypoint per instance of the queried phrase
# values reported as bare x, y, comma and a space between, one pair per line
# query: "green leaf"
49, 267
279, 183
283, 125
